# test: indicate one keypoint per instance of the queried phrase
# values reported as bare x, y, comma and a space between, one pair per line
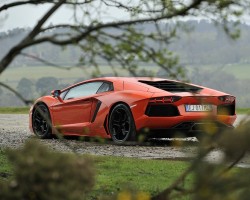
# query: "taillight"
227, 99
169, 99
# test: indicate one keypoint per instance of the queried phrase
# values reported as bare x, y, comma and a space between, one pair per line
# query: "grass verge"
243, 110
14, 110
114, 174
151, 176
5, 166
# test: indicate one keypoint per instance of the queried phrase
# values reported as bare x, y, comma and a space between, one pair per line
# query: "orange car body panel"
78, 117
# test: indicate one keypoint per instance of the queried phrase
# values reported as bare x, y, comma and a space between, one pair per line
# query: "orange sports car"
120, 108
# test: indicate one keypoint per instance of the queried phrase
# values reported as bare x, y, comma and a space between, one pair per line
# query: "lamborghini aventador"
120, 108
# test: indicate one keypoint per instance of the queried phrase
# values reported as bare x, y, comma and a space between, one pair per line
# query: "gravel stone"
14, 132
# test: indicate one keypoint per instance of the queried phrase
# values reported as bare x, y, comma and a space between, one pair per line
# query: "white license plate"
198, 108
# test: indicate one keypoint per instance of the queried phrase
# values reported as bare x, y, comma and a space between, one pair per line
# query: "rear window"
171, 86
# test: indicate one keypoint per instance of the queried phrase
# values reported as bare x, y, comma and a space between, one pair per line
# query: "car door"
72, 114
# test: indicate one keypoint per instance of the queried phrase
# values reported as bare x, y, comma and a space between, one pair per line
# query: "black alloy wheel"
41, 121
121, 124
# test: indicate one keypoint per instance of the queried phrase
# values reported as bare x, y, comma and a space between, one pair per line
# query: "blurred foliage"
222, 180
42, 174
117, 174
219, 180
129, 194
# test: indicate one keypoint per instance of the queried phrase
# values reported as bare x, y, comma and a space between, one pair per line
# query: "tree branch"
100, 26
36, 29
37, 2
25, 101
165, 193
45, 61
234, 163
7, 59
19, 3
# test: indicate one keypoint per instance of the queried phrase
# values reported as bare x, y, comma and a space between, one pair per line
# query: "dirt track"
14, 132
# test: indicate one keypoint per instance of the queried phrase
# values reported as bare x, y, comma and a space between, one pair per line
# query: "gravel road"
14, 132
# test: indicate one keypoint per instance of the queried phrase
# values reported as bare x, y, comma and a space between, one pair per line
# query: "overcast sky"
28, 15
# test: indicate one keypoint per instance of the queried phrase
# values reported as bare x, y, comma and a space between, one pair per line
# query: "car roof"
136, 80
119, 79
131, 79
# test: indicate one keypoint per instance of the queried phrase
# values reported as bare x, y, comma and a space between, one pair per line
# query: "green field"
243, 111
240, 71
14, 110
14, 74
6, 168
113, 174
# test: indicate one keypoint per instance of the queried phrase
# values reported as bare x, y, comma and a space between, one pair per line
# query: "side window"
83, 90
106, 86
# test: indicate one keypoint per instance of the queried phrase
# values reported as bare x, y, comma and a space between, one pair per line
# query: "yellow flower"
142, 196
125, 195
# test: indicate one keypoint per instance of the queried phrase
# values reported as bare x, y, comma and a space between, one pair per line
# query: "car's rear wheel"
121, 124
41, 121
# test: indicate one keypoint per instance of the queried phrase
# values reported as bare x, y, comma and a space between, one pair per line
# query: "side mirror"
56, 93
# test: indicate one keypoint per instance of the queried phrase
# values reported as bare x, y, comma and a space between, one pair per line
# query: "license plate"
198, 108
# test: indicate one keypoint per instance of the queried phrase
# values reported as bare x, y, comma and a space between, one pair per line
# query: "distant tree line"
225, 82
208, 45
205, 44
30, 89
220, 80
201, 44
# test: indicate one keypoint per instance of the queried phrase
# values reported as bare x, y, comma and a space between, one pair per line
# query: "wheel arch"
49, 132
116, 103
112, 107
41, 103
50, 114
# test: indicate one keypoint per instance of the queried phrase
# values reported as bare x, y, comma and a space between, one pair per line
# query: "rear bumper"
167, 126
189, 129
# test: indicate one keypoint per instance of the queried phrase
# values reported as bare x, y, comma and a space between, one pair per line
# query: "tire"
121, 124
41, 122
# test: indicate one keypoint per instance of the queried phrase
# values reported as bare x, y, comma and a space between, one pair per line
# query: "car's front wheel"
121, 124
41, 121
